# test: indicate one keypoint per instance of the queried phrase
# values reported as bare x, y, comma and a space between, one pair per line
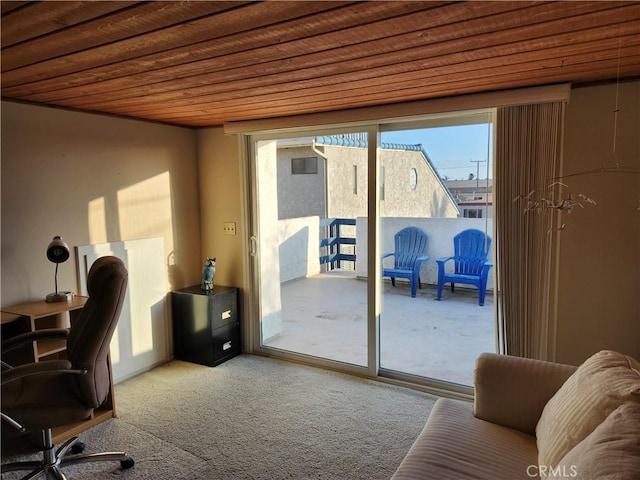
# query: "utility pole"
477, 162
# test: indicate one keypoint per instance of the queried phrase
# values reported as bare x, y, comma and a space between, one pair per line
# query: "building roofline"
354, 142
358, 143
442, 182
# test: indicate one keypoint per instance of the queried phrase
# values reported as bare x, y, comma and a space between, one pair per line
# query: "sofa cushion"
612, 450
513, 391
454, 445
599, 386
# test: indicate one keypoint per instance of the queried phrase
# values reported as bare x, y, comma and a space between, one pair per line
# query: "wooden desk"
32, 316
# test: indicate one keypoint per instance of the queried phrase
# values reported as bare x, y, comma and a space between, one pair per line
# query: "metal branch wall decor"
542, 202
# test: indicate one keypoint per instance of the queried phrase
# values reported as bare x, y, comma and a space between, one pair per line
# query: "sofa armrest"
512, 391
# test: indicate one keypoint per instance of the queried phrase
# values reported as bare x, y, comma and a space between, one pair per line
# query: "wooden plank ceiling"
204, 63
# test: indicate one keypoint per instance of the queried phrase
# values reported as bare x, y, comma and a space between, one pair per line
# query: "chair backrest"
410, 243
471, 248
91, 332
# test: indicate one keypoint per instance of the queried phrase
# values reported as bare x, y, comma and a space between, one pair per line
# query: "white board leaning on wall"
141, 340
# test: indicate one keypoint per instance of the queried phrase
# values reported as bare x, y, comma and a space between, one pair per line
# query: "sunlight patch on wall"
97, 221
146, 269
145, 210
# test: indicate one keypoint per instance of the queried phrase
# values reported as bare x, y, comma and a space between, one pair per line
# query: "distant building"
474, 197
327, 176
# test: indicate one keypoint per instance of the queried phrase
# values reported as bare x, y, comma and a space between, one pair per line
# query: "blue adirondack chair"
471, 266
410, 244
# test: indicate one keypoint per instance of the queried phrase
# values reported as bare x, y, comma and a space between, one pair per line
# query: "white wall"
300, 194
599, 282
428, 199
299, 247
268, 247
222, 200
93, 179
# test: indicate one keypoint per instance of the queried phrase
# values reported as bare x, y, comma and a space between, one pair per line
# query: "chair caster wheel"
128, 463
77, 447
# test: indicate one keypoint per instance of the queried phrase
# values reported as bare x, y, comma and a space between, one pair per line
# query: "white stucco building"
327, 176
474, 197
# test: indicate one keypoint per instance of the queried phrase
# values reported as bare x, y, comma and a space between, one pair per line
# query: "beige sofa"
534, 419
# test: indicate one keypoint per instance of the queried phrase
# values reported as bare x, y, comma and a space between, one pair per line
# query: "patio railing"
310, 245
332, 253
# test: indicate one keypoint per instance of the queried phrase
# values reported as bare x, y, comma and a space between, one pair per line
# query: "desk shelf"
33, 316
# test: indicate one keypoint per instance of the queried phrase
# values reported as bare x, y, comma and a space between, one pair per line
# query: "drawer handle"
226, 346
226, 314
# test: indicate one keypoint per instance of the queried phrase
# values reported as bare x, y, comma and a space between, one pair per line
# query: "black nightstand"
206, 326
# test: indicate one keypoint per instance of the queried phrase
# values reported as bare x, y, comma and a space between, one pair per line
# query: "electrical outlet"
229, 228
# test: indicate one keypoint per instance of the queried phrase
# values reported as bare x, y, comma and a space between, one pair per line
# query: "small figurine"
208, 272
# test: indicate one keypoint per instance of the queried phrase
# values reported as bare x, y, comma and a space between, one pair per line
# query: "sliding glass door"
311, 191
434, 188
327, 208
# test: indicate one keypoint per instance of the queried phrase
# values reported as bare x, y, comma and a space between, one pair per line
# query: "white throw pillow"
599, 386
611, 451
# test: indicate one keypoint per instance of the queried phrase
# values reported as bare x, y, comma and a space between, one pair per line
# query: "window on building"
413, 178
305, 165
355, 179
472, 213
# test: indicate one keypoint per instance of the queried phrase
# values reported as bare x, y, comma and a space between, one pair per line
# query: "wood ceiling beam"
10, 6
448, 57
552, 70
40, 18
289, 28
243, 17
441, 40
509, 67
218, 118
206, 63
125, 33
460, 63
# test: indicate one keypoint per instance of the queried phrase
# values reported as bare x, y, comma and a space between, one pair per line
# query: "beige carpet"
256, 418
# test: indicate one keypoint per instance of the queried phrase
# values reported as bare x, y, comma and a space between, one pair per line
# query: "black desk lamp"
58, 252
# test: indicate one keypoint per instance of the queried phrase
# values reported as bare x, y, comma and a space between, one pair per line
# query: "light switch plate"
229, 228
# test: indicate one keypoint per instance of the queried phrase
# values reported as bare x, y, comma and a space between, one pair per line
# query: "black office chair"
37, 397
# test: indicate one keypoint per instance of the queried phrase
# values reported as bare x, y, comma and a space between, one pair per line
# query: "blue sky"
451, 149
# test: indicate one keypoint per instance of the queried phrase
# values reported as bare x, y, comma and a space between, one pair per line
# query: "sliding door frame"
374, 293
374, 282
254, 303
367, 120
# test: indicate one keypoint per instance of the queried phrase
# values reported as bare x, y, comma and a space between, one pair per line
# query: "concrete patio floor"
325, 316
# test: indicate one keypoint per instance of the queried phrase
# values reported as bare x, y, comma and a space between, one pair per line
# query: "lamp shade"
58, 251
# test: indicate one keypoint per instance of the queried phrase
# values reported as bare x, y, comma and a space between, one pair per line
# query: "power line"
477, 162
